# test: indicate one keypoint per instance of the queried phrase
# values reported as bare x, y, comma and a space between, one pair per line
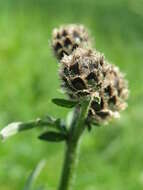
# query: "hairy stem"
70, 163
72, 148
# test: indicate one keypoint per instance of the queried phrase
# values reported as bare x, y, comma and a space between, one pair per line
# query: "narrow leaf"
48, 120
52, 136
33, 176
64, 103
58, 123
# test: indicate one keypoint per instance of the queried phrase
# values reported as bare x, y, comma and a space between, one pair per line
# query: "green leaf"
64, 103
58, 123
34, 175
52, 136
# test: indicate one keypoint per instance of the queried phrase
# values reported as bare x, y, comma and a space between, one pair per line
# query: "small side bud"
10, 130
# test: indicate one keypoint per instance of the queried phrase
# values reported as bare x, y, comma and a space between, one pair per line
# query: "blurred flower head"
67, 38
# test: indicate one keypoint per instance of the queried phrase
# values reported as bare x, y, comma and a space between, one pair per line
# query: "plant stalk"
73, 147
70, 163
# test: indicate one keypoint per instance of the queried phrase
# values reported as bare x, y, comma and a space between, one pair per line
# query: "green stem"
72, 148
70, 163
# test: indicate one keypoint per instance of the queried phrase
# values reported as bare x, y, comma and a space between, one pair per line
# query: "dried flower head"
86, 73
67, 38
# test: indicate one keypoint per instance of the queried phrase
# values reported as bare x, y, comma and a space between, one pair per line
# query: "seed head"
67, 38
86, 73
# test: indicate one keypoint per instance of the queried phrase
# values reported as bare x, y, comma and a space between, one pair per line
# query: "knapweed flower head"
67, 38
86, 73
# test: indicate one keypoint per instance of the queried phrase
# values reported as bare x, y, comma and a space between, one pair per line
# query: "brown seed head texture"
67, 38
86, 73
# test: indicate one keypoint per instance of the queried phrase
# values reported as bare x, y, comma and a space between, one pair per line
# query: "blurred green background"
111, 156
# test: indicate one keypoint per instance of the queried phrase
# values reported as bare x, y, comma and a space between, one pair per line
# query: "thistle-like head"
86, 73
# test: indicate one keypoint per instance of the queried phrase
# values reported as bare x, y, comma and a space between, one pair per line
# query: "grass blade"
33, 176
